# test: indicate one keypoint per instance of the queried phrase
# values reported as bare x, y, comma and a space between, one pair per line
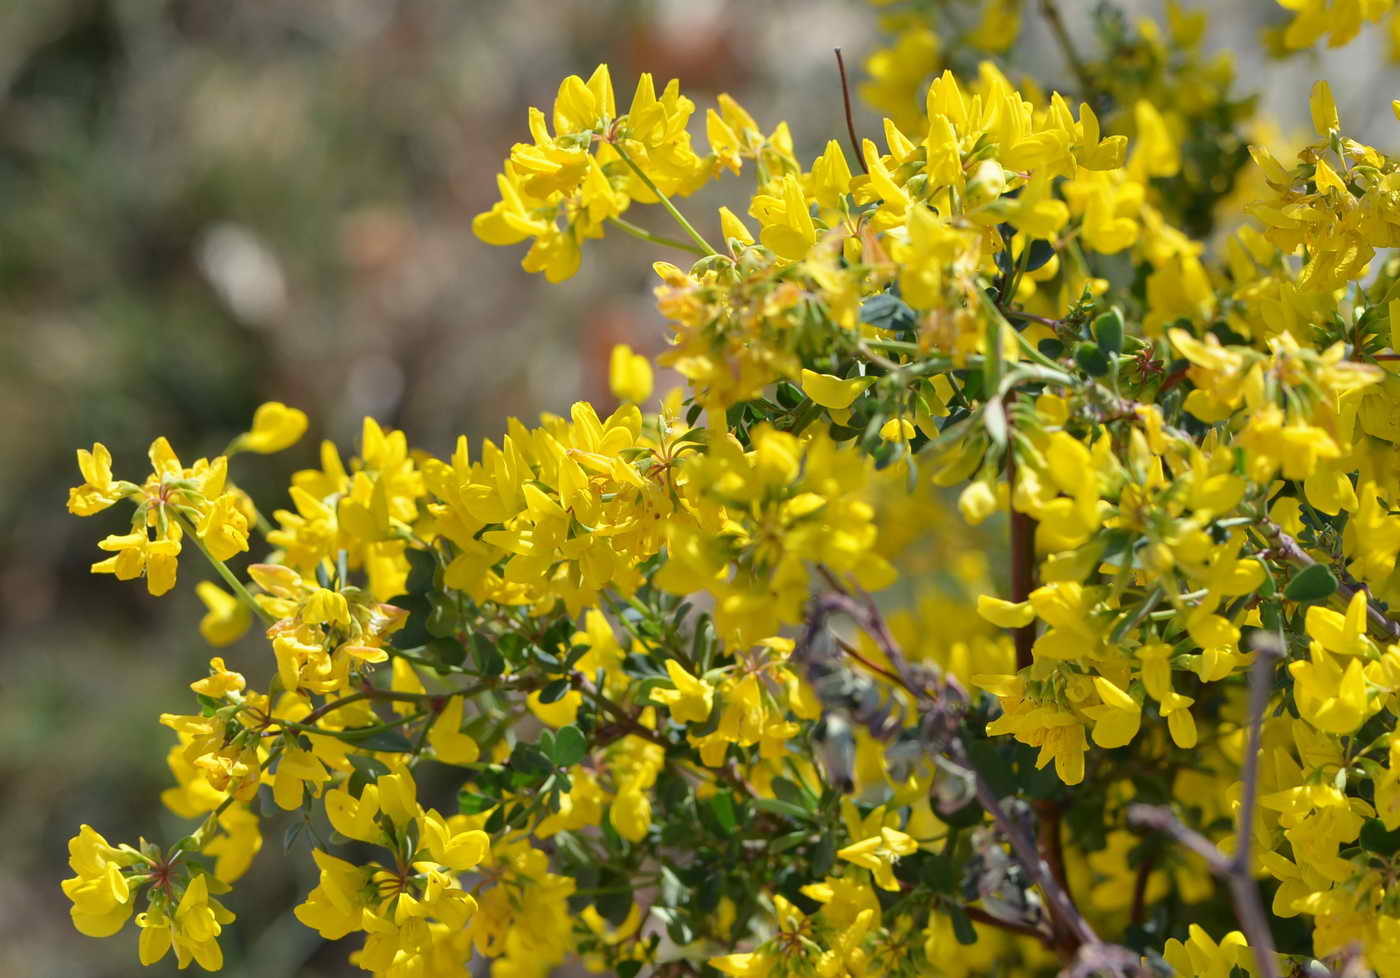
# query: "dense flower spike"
741, 676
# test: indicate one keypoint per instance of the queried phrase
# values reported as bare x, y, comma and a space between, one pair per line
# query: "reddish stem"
1022, 560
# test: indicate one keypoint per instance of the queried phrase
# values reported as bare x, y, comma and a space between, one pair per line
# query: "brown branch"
940, 698
978, 915
1022, 559
1074, 931
850, 119
1234, 871
854, 653
1171, 380
1144, 873
1052, 841
625, 720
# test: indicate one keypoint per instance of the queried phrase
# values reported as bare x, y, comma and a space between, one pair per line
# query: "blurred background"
206, 205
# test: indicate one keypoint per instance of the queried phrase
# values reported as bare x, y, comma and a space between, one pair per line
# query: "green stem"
690, 231
355, 734
409, 655
805, 415
645, 235
893, 346
229, 577
1008, 292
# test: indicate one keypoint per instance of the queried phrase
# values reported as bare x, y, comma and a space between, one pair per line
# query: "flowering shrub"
717, 682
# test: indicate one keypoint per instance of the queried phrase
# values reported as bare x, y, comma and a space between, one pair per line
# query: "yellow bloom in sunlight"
1005, 614
102, 897
629, 374
691, 700
98, 490
879, 853
833, 392
275, 427
449, 743
227, 618
1117, 720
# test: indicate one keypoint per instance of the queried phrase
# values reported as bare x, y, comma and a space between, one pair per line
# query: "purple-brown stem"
850, 119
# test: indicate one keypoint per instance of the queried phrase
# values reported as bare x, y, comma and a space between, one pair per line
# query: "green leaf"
471, 803
488, 657
940, 875
530, 763
422, 568
1378, 839
722, 804
1313, 583
1091, 359
554, 692
1108, 330
889, 311
448, 651
442, 618
778, 807
389, 741
962, 926
570, 746
789, 792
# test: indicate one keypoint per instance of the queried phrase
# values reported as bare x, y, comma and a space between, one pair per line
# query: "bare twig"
850, 120
941, 698
978, 915
1234, 870
1051, 11
1052, 841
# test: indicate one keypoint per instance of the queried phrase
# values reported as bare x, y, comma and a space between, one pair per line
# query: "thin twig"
980, 916
1052, 841
1144, 874
645, 235
1051, 11
1234, 870
1072, 929
1022, 559
850, 120
230, 578
393, 695
676, 215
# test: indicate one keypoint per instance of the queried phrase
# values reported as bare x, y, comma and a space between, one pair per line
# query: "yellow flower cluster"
996, 510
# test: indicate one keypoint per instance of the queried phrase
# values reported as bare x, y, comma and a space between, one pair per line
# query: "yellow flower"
1116, 722
275, 427
102, 897
226, 619
879, 853
449, 743
833, 392
192, 930
1005, 614
98, 491
629, 375
691, 700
